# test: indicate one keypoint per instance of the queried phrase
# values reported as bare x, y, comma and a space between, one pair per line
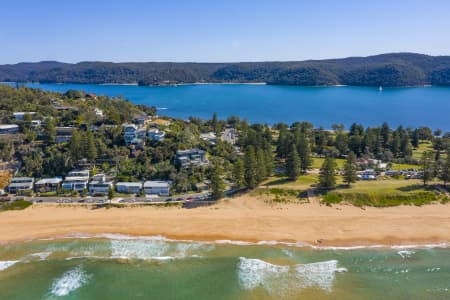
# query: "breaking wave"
6, 264
69, 282
278, 279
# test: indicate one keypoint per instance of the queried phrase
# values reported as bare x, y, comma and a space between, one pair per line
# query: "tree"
327, 176
427, 165
444, 171
91, 149
217, 183
261, 165
293, 164
350, 169
110, 194
49, 131
239, 173
304, 151
250, 167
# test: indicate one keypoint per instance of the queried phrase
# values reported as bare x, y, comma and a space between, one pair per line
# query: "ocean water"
323, 106
121, 267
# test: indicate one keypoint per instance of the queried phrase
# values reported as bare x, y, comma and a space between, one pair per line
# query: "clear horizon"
155, 31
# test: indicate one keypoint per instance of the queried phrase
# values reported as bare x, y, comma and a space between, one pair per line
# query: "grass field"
423, 146
382, 193
302, 183
318, 161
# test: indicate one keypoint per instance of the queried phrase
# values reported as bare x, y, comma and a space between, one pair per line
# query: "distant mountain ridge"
389, 70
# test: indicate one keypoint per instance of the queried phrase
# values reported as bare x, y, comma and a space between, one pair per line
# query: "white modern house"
98, 112
20, 184
76, 180
20, 115
129, 187
133, 134
100, 184
156, 134
9, 128
161, 188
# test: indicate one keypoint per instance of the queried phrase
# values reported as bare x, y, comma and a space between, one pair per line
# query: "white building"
20, 115
156, 134
98, 112
9, 128
100, 185
161, 188
20, 184
76, 180
129, 187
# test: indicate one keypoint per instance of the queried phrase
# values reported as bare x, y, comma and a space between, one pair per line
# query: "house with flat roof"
133, 134
20, 184
155, 134
129, 187
191, 157
46, 185
76, 180
209, 137
9, 128
20, 115
100, 185
63, 134
161, 188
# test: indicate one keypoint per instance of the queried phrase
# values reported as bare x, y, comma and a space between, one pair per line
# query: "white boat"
380, 88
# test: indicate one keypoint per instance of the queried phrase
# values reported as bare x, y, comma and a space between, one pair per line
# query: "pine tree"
444, 172
327, 176
217, 183
304, 151
239, 173
293, 164
261, 165
91, 149
268, 161
250, 167
350, 169
75, 146
427, 166
49, 131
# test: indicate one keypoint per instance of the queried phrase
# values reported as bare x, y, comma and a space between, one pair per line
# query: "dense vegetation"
290, 150
397, 69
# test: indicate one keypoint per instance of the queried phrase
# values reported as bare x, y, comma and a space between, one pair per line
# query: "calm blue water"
428, 106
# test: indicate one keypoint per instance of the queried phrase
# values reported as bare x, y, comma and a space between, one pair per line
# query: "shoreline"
240, 220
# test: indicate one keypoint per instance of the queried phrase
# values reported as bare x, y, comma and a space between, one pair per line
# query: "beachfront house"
18, 184
100, 185
76, 181
9, 128
155, 134
129, 187
20, 115
46, 185
161, 188
191, 157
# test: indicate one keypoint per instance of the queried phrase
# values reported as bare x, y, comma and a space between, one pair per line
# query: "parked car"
169, 199
180, 199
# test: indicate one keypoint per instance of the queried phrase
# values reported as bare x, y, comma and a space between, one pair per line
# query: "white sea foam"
6, 264
246, 243
277, 279
69, 282
405, 253
41, 255
139, 249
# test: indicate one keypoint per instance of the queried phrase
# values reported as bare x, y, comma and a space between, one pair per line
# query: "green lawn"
423, 146
382, 193
318, 161
404, 166
302, 183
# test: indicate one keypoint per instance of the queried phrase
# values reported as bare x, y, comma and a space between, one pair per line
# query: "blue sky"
211, 31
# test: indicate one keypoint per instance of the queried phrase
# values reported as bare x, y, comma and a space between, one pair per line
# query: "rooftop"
162, 184
49, 181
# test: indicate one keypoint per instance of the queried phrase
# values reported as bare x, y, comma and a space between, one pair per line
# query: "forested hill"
396, 69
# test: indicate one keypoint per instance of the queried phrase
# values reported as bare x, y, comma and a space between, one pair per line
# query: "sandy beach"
241, 219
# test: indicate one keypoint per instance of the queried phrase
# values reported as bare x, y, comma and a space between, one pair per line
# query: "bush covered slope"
396, 69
